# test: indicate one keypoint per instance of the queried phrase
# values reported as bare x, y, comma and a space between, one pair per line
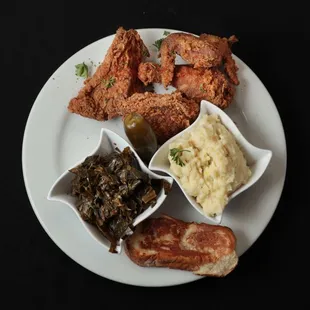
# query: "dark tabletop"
37, 37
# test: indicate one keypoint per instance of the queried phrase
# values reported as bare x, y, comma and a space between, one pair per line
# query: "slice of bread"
207, 250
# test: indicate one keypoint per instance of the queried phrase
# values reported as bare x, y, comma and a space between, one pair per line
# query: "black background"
37, 37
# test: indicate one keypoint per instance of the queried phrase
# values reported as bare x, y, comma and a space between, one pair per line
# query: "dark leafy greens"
112, 191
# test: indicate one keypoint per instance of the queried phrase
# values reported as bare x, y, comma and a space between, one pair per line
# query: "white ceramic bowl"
257, 159
107, 143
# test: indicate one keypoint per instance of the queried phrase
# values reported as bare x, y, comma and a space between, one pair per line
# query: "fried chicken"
167, 114
197, 84
206, 51
115, 79
149, 72
224, 45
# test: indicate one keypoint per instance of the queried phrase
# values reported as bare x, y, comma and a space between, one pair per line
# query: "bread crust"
204, 249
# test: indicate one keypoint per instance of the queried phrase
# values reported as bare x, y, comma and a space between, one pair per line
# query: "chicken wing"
197, 84
115, 79
168, 114
224, 45
205, 51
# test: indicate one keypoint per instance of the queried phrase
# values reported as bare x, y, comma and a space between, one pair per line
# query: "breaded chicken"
224, 46
168, 114
149, 72
114, 80
197, 84
206, 51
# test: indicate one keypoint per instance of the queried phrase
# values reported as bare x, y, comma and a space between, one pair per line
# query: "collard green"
112, 191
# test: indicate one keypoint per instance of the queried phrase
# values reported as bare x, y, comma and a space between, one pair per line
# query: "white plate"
54, 139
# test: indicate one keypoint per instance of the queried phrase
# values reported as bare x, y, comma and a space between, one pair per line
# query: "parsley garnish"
110, 82
202, 89
175, 153
158, 42
81, 70
145, 53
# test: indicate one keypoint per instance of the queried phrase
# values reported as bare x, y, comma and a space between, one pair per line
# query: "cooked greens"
112, 191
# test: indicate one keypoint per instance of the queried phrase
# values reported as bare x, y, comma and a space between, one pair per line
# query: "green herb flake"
110, 82
202, 89
175, 154
158, 43
81, 70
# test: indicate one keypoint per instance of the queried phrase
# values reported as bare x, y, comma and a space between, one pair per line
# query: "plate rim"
26, 184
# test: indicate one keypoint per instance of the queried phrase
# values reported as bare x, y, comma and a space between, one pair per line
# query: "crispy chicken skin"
114, 80
115, 90
224, 46
204, 84
197, 84
201, 248
205, 51
149, 72
167, 114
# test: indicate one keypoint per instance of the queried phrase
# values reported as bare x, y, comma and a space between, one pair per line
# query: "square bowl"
61, 188
257, 159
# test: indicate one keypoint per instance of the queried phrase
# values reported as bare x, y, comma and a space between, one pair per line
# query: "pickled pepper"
141, 135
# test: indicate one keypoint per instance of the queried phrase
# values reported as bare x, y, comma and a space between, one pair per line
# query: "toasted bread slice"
207, 250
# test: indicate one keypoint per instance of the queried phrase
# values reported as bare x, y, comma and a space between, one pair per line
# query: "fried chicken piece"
149, 72
204, 84
205, 51
197, 84
224, 45
114, 80
167, 114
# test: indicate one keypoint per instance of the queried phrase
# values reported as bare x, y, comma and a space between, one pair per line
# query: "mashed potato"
214, 165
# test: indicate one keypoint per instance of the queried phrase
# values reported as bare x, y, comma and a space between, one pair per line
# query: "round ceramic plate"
54, 140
